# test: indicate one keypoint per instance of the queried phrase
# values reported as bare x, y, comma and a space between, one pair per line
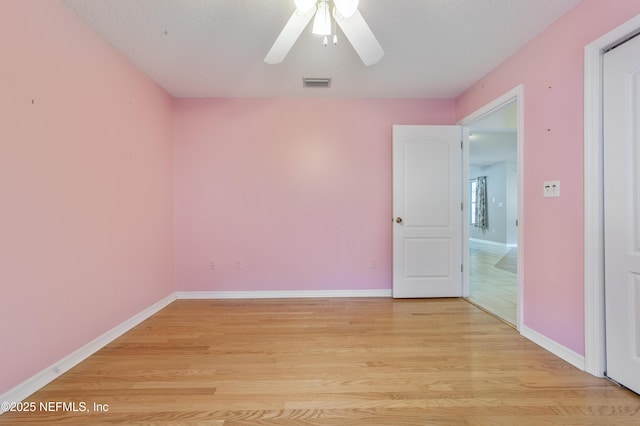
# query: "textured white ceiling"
215, 48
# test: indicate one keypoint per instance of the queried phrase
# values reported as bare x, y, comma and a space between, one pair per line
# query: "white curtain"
481, 203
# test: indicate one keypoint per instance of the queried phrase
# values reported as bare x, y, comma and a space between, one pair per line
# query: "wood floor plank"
327, 362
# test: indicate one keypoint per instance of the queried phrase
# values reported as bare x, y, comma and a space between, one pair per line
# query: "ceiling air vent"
316, 82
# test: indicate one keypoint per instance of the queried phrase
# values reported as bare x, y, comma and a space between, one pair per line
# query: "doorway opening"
492, 242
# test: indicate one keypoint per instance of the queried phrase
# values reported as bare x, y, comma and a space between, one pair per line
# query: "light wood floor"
490, 287
330, 362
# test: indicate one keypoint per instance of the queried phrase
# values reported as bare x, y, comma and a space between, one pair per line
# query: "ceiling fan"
345, 13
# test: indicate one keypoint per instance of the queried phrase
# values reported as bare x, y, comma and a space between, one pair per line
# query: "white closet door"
622, 212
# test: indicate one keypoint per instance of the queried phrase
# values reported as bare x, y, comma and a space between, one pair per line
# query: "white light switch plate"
552, 188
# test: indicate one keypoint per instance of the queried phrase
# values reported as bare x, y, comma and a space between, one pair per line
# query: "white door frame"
517, 94
594, 330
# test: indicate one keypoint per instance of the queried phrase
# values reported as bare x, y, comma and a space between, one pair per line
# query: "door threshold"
498, 317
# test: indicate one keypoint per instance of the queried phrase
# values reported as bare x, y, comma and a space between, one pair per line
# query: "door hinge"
461, 206
461, 268
461, 145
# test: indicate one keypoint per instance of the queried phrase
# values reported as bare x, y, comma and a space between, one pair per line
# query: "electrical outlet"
238, 264
212, 264
374, 263
552, 188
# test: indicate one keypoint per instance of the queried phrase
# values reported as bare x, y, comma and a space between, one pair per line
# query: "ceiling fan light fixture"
304, 6
354, 27
346, 8
322, 20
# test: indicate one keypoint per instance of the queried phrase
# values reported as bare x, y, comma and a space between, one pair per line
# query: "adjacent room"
493, 213
200, 225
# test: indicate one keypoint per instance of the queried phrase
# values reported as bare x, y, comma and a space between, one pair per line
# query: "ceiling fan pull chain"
335, 30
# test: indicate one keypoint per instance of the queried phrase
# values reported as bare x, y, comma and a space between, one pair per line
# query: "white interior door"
622, 212
427, 197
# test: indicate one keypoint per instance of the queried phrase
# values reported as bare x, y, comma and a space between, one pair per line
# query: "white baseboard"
554, 347
285, 294
36, 382
46, 376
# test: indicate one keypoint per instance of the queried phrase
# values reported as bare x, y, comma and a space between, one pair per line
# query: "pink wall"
297, 190
551, 68
85, 188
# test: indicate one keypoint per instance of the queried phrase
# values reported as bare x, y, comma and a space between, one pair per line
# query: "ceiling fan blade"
361, 37
288, 36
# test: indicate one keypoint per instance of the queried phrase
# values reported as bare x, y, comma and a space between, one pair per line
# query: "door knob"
398, 220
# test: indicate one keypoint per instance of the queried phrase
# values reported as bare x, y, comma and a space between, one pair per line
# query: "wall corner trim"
46, 376
284, 294
554, 347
